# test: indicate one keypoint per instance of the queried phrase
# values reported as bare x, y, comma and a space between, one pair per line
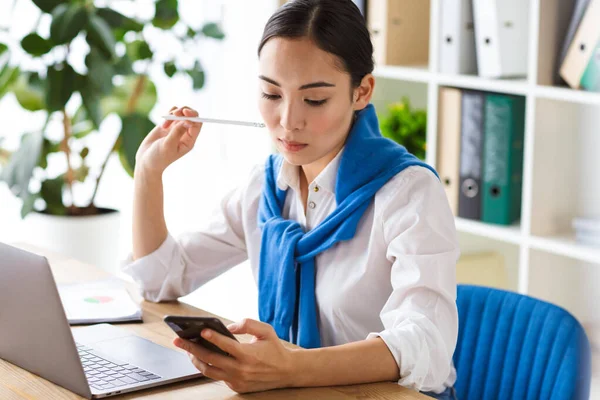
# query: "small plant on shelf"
406, 126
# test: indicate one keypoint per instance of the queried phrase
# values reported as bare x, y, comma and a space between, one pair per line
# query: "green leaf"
81, 173
119, 23
213, 30
84, 152
91, 102
170, 68
47, 6
138, 50
8, 76
83, 129
124, 162
36, 45
100, 73
80, 116
166, 14
48, 147
101, 37
406, 126
118, 100
51, 192
30, 91
117, 20
61, 84
82, 124
68, 19
191, 33
123, 66
197, 75
19, 170
3, 48
28, 204
134, 130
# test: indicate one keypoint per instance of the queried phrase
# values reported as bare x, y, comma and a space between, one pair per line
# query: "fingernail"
206, 333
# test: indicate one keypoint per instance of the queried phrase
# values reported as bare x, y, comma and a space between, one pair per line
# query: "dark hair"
335, 26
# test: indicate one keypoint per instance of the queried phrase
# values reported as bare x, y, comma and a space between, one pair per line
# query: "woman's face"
305, 100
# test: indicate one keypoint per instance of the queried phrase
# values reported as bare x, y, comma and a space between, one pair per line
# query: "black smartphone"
189, 328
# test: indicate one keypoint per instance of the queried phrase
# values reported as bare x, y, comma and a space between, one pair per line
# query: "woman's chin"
297, 158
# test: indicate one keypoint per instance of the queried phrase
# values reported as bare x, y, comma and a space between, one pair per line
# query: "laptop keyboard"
104, 374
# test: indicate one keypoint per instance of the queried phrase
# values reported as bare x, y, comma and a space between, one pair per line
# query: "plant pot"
93, 239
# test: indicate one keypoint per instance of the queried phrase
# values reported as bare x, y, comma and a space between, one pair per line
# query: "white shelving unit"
561, 177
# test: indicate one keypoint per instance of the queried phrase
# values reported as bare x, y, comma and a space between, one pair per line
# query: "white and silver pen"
213, 120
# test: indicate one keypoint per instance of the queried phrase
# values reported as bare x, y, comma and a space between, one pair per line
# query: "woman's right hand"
168, 142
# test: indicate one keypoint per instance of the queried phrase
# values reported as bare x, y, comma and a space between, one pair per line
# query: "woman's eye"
315, 103
270, 96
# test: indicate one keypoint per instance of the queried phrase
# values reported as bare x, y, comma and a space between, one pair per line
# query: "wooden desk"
18, 384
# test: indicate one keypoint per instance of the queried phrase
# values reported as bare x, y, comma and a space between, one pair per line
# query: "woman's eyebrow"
307, 86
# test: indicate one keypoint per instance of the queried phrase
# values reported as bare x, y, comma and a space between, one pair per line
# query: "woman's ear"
361, 96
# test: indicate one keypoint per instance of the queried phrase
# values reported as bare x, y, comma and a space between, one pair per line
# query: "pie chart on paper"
98, 299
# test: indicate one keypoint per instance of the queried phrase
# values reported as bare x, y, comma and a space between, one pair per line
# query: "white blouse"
395, 279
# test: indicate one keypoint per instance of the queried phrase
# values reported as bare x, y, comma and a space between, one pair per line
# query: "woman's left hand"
262, 364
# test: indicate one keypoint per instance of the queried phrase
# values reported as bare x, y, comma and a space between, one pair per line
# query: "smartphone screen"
189, 328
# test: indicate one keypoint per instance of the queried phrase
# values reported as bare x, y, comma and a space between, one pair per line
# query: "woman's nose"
292, 119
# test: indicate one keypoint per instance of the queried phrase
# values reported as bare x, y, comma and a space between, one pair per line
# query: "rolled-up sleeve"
183, 264
420, 317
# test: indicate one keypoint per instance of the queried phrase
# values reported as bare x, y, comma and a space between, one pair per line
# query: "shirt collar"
327, 179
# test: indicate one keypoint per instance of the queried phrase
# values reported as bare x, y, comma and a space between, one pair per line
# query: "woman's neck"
310, 171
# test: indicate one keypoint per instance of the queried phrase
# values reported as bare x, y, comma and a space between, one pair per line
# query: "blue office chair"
512, 346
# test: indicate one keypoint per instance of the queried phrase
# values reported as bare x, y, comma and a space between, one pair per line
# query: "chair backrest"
512, 346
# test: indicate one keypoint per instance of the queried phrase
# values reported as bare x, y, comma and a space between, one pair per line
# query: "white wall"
220, 160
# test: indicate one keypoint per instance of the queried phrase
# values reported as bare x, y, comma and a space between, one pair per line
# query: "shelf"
413, 74
509, 234
561, 124
508, 86
567, 94
423, 75
565, 245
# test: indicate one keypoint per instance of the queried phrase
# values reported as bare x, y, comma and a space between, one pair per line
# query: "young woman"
351, 239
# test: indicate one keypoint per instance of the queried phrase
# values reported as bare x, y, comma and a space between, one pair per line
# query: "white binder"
457, 38
502, 37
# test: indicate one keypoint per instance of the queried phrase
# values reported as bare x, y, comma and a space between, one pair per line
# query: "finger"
210, 371
259, 329
229, 345
189, 139
178, 112
167, 123
220, 361
157, 132
175, 135
188, 112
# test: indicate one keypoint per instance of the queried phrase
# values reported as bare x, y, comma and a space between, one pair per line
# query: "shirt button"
312, 204
316, 189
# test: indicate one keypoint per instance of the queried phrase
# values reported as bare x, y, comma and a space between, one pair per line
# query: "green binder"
590, 80
504, 128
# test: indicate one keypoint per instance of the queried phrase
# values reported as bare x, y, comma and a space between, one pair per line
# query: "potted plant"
406, 126
114, 82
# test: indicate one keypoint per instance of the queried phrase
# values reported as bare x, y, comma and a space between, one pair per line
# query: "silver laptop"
94, 362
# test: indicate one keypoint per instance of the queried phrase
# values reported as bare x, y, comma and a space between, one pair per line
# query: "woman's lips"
292, 146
